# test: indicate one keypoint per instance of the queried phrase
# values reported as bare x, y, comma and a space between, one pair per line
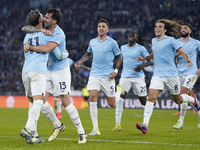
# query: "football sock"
187, 98
34, 130
119, 111
147, 112
73, 114
34, 114
94, 114
183, 109
48, 111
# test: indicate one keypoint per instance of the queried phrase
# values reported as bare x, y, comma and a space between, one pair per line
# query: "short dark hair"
33, 17
103, 20
56, 14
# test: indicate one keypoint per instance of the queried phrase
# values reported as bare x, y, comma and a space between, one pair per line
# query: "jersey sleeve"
144, 52
198, 46
175, 44
89, 50
57, 38
116, 49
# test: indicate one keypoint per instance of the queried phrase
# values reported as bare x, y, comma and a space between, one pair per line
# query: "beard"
184, 35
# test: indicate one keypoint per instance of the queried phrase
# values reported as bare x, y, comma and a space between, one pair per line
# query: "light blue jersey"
55, 64
164, 53
34, 61
191, 47
129, 60
70, 61
104, 53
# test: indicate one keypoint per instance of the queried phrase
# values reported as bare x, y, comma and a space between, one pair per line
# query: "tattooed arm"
84, 58
32, 29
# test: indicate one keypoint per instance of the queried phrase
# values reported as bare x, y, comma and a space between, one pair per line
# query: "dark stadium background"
79, 22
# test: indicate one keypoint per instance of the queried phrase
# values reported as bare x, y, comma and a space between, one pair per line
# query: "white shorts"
172, 84
138, 85
59, 82
188, 81
34, 84
105, 84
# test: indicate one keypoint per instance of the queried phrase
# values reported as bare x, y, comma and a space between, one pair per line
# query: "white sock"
147, 112
30, 106
94, 114
73, 114
117, 96
48, 111
187, 98
119, 111
183, 111
56, 104
34, 115
34, 130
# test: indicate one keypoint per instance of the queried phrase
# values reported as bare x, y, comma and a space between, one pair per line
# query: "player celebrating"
132, 74
165, 73
34, 79
102, 74
58, 73
188, 75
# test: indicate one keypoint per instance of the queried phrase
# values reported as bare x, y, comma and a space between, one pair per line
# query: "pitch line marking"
115, 141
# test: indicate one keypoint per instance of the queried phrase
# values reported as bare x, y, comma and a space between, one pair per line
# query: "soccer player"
34, 78
102, 75
188, 75
132, 75
58, 73
165, 73
58, 105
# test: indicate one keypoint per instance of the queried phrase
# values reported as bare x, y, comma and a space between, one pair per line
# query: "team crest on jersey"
191, 46
106, 46
161, 43
134, 51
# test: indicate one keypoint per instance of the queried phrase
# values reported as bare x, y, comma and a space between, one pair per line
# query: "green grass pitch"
160, 136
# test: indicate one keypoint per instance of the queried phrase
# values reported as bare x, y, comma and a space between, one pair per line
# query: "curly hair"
172, 27
33, 17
